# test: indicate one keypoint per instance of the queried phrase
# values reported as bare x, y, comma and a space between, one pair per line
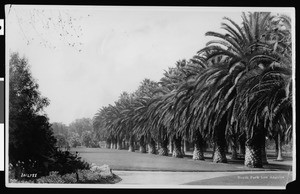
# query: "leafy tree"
61, 133
88, 139
61, 141
81, 125
32, 145
30, 136
60, 128
74, 140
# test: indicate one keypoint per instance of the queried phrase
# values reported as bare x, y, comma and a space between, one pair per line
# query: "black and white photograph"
149, 97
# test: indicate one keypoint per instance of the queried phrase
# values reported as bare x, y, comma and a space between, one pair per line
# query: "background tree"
81, 125
89, 140
30, 136
32, 146
61, 141
60, 128
61, 133
74, 140
29, 131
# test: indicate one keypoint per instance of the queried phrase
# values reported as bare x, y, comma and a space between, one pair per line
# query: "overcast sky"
114, 49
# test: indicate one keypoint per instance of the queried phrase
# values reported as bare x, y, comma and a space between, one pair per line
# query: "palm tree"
238, 53
166, 112
113, 122
142, 128
156, 112
164, 141
236, 90
270, 104
198, 102
271, 90
125, 124
99, 125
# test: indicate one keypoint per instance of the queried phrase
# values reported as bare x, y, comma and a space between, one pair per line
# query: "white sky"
120, 47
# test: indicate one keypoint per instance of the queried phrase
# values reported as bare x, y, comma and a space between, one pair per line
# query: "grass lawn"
124, 160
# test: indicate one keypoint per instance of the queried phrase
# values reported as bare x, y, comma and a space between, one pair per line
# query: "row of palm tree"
234, 92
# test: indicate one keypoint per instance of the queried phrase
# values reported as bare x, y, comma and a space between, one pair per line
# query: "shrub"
88, 176
66, 162
53, 177
80, 176
69, 178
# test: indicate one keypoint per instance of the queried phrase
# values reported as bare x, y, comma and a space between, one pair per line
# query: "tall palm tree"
270, 105
166, 111
158, 113
198, 100
237, 87
141, 127
240, 51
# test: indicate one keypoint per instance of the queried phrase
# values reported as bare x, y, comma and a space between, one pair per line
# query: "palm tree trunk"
124, 144
163, 151
279, 154
198, 152
185, 146
253, 155
234, 152
234, 146
213, 149
107, 144
142, 144
143, 149
276, 146
171, 145
264, 157
151, 146
113, 144
119, 143
242, 149
198, 147
177, 153
242, 141
219, 155
131, 144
